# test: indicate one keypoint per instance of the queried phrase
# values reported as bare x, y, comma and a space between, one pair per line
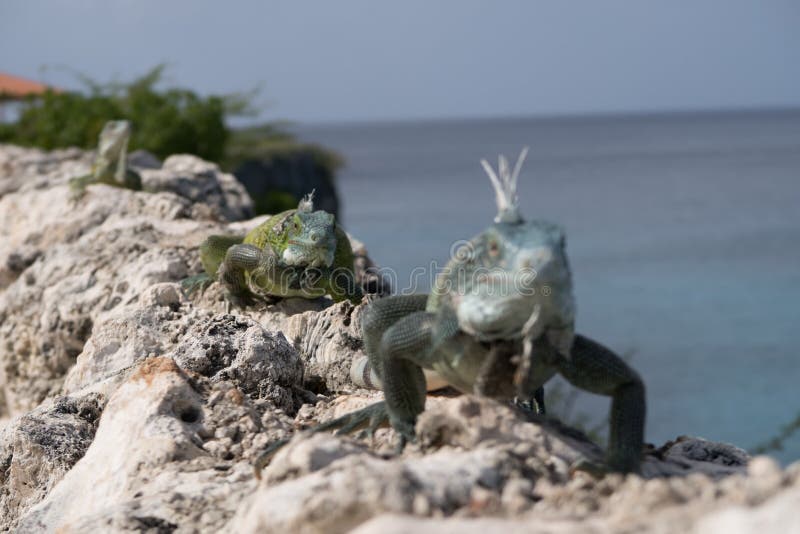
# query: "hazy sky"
371, 59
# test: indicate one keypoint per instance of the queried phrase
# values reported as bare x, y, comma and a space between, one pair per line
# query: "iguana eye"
493, 247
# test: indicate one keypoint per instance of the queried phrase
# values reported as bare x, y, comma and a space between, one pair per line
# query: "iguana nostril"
314, 237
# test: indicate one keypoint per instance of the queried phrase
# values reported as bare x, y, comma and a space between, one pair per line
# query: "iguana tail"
369, 418
364, 376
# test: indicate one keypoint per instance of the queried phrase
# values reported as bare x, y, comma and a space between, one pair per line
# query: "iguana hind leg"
596, 369
212, 254
213, 250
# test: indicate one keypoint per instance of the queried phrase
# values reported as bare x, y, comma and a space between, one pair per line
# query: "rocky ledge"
127, 406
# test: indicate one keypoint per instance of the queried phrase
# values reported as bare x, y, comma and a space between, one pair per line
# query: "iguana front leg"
405, 348
594, 368
398, 342
239, 259
341, 285
396, 330
380, 316
247, 266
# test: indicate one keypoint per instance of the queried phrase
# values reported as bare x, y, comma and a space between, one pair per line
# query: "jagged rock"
779, 514
262, 364
66, 265
90, 309
518, 472
148, 466
25, 169
222, 347
475, 456
329, 340
38, 448
47, 314
142, 159
36, 211
200, 182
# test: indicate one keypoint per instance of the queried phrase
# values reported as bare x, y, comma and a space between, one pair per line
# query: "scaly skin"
297, 253
499, 323
110, 165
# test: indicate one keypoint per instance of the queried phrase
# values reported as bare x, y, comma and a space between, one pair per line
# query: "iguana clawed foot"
77, 188
596, 469
405, 434
370, 419
200, 282
196, 283
367, 420
240, 301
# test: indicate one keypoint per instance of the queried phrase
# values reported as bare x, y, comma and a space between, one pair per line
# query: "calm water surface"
683, 234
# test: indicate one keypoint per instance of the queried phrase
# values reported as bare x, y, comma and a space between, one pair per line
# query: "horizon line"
545, 117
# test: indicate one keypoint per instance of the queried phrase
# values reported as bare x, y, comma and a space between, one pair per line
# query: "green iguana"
500, 323
297, 253
110, 163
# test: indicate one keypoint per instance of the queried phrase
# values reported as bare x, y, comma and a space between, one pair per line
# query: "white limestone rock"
40, 447
90, 309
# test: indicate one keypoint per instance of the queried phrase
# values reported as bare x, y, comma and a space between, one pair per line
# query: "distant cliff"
277, 170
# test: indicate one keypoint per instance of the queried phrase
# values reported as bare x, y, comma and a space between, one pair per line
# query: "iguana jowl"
500, 323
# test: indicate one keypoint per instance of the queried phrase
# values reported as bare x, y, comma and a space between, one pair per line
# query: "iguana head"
311, 236
113, 139
512, 279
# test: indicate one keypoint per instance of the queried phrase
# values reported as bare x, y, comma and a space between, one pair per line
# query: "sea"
683, 236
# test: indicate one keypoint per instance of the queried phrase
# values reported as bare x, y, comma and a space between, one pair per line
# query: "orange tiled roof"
19, 87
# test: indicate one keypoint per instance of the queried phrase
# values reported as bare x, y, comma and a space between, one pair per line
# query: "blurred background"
665, 137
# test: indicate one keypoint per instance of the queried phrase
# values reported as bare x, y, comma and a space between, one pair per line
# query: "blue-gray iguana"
500, 323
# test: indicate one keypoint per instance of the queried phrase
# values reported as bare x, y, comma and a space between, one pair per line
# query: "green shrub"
164, 121
173, 121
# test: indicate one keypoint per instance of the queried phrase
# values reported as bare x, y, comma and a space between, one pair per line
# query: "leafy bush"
176, 120
164, 121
